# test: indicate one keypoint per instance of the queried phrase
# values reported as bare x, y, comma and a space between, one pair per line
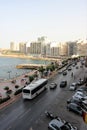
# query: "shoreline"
30, 57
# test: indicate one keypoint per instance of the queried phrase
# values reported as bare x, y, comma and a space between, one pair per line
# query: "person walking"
72, 74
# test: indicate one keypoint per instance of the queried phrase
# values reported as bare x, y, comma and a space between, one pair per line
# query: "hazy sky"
26, 20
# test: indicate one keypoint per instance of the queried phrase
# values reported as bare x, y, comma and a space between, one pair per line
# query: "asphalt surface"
30, 115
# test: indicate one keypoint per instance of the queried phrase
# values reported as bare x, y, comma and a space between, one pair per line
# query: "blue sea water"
8, 66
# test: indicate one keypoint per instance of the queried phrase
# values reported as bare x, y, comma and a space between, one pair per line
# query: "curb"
10, 101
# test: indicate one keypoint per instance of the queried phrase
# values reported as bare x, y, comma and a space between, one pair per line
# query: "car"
82, 88
69, 68
73, 86
63, 84
80, 82
81, 103
53, 85
73, 65
77, 67
64, 72
74, 100
57, 124
84, 102
80, 95
75, 108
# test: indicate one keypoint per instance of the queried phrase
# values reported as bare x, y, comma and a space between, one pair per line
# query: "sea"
8, 66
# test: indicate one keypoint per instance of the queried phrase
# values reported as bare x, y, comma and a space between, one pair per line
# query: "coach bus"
33, 89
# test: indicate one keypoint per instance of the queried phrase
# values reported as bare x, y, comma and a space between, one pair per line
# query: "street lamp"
9, 73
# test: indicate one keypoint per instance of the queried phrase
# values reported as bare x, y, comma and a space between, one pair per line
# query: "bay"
8, 66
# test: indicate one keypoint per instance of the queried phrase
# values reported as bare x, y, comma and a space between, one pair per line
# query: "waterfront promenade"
19, 82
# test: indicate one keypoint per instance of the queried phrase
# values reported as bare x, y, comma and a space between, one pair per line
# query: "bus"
33, 89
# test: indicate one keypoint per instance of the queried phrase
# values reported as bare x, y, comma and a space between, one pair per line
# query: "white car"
73, 86
79, 95
57, 124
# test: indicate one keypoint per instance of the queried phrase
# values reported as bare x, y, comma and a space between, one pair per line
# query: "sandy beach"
30, 57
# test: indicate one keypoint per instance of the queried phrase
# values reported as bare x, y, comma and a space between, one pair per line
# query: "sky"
26, 20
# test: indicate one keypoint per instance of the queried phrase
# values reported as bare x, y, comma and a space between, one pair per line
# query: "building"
72, 48
82, 48
22, 47
63, 49
12, 46
48, 49
54, 51
35, 48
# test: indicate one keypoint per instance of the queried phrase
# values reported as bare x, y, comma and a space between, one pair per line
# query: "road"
29, 115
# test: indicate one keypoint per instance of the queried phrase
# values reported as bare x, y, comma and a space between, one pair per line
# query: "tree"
6, 88
31, 78
8, 91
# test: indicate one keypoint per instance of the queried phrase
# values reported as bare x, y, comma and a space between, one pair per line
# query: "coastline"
30, 57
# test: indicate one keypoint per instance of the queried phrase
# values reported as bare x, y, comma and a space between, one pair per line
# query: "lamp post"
9, 73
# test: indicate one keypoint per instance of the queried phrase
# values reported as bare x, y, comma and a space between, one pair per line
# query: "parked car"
83, 88
74, 100
84, 102
65, 73
63, 84
75, 108
79, 102
53, 85
57, 124
73, 86
80, 95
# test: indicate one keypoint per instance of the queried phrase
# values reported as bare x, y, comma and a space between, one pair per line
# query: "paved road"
24, 115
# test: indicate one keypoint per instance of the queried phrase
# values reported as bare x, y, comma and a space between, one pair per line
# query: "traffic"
51, 109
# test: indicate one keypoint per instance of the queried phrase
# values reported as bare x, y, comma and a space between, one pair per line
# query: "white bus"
33, 89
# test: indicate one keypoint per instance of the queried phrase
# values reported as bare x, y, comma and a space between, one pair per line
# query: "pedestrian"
72, 74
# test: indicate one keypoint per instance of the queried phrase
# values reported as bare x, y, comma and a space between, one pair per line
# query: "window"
38, 88
56, 127
26, 91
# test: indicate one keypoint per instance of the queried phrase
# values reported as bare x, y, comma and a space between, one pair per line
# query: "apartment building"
63, 49
22, 47
35, 48
82, 48
72, 48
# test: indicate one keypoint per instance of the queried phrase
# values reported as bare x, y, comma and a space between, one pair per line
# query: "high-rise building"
12, 46
72, 48
22, 47
63, 49
35, 48
54, 51
82, 48
48, 49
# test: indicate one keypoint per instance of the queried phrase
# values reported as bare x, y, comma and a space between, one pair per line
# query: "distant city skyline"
58, 20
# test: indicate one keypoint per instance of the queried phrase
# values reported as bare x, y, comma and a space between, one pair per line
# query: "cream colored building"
82, 48
63, 49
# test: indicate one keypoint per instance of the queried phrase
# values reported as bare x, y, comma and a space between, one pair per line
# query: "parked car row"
78, 102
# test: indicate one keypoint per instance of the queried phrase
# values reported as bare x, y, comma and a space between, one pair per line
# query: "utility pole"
9, 74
